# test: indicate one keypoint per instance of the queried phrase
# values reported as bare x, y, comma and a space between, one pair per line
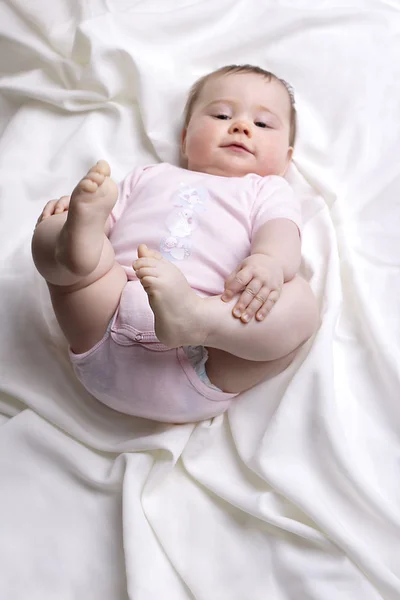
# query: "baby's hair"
198, 86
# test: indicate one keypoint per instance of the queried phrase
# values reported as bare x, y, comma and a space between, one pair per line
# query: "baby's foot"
180, 315
82, 237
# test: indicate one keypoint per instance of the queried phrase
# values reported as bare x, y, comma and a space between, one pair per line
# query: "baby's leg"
72, 253
234, 375
291, 322
183, 318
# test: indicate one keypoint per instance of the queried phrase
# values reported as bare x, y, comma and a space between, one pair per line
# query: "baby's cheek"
275, 161
200, 143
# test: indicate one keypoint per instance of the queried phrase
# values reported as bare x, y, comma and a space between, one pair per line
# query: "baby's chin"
235, 166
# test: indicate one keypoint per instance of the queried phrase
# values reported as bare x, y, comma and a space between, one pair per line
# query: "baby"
178, 289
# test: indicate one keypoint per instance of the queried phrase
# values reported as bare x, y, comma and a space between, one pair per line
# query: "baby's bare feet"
180, 314
82, 237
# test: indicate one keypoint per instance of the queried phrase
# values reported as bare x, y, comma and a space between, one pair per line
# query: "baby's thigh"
84, 314
235, 375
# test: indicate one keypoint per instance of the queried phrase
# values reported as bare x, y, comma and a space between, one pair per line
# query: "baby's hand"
260, 277
54, 207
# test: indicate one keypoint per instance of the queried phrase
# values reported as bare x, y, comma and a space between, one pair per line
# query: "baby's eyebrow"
220, 101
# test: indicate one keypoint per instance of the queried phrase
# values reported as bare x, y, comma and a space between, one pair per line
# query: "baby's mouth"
236, 146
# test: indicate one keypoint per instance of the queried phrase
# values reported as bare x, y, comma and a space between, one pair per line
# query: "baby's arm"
280, 239
275, 259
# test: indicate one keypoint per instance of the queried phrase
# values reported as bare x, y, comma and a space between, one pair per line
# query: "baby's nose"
241, 127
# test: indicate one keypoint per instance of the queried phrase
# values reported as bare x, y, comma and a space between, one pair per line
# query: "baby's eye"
223, 117
261, 124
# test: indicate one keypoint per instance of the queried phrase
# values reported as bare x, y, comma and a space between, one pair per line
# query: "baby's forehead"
250, 86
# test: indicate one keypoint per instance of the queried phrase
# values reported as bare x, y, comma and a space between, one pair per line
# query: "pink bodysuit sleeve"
125, 191
275, 200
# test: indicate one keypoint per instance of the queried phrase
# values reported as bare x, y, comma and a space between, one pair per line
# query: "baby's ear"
183, 142
288, 159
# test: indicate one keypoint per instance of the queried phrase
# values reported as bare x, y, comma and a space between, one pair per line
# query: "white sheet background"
294, 493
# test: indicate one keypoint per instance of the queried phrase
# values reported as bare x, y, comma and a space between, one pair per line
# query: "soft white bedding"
294, 493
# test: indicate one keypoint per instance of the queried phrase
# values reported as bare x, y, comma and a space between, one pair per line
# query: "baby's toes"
87, 185
102, 167
148, 272
144, 262
144, 251
154, 254
96, 177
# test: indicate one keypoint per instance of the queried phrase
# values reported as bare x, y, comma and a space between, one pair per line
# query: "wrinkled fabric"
293, 493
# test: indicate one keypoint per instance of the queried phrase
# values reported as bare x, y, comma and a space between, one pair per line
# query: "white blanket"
294, 493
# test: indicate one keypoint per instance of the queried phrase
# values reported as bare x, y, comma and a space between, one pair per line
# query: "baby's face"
240, 124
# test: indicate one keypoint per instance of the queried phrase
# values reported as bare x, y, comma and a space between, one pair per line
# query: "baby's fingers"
62, 204
46, 212
54, 207
268, 305
48, 209
250, 301
236, 282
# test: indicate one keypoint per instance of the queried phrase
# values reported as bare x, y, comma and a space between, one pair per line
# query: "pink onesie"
204, 224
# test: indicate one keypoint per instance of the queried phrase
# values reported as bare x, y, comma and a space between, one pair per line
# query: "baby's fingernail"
237, 312
246, 317
260, 316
